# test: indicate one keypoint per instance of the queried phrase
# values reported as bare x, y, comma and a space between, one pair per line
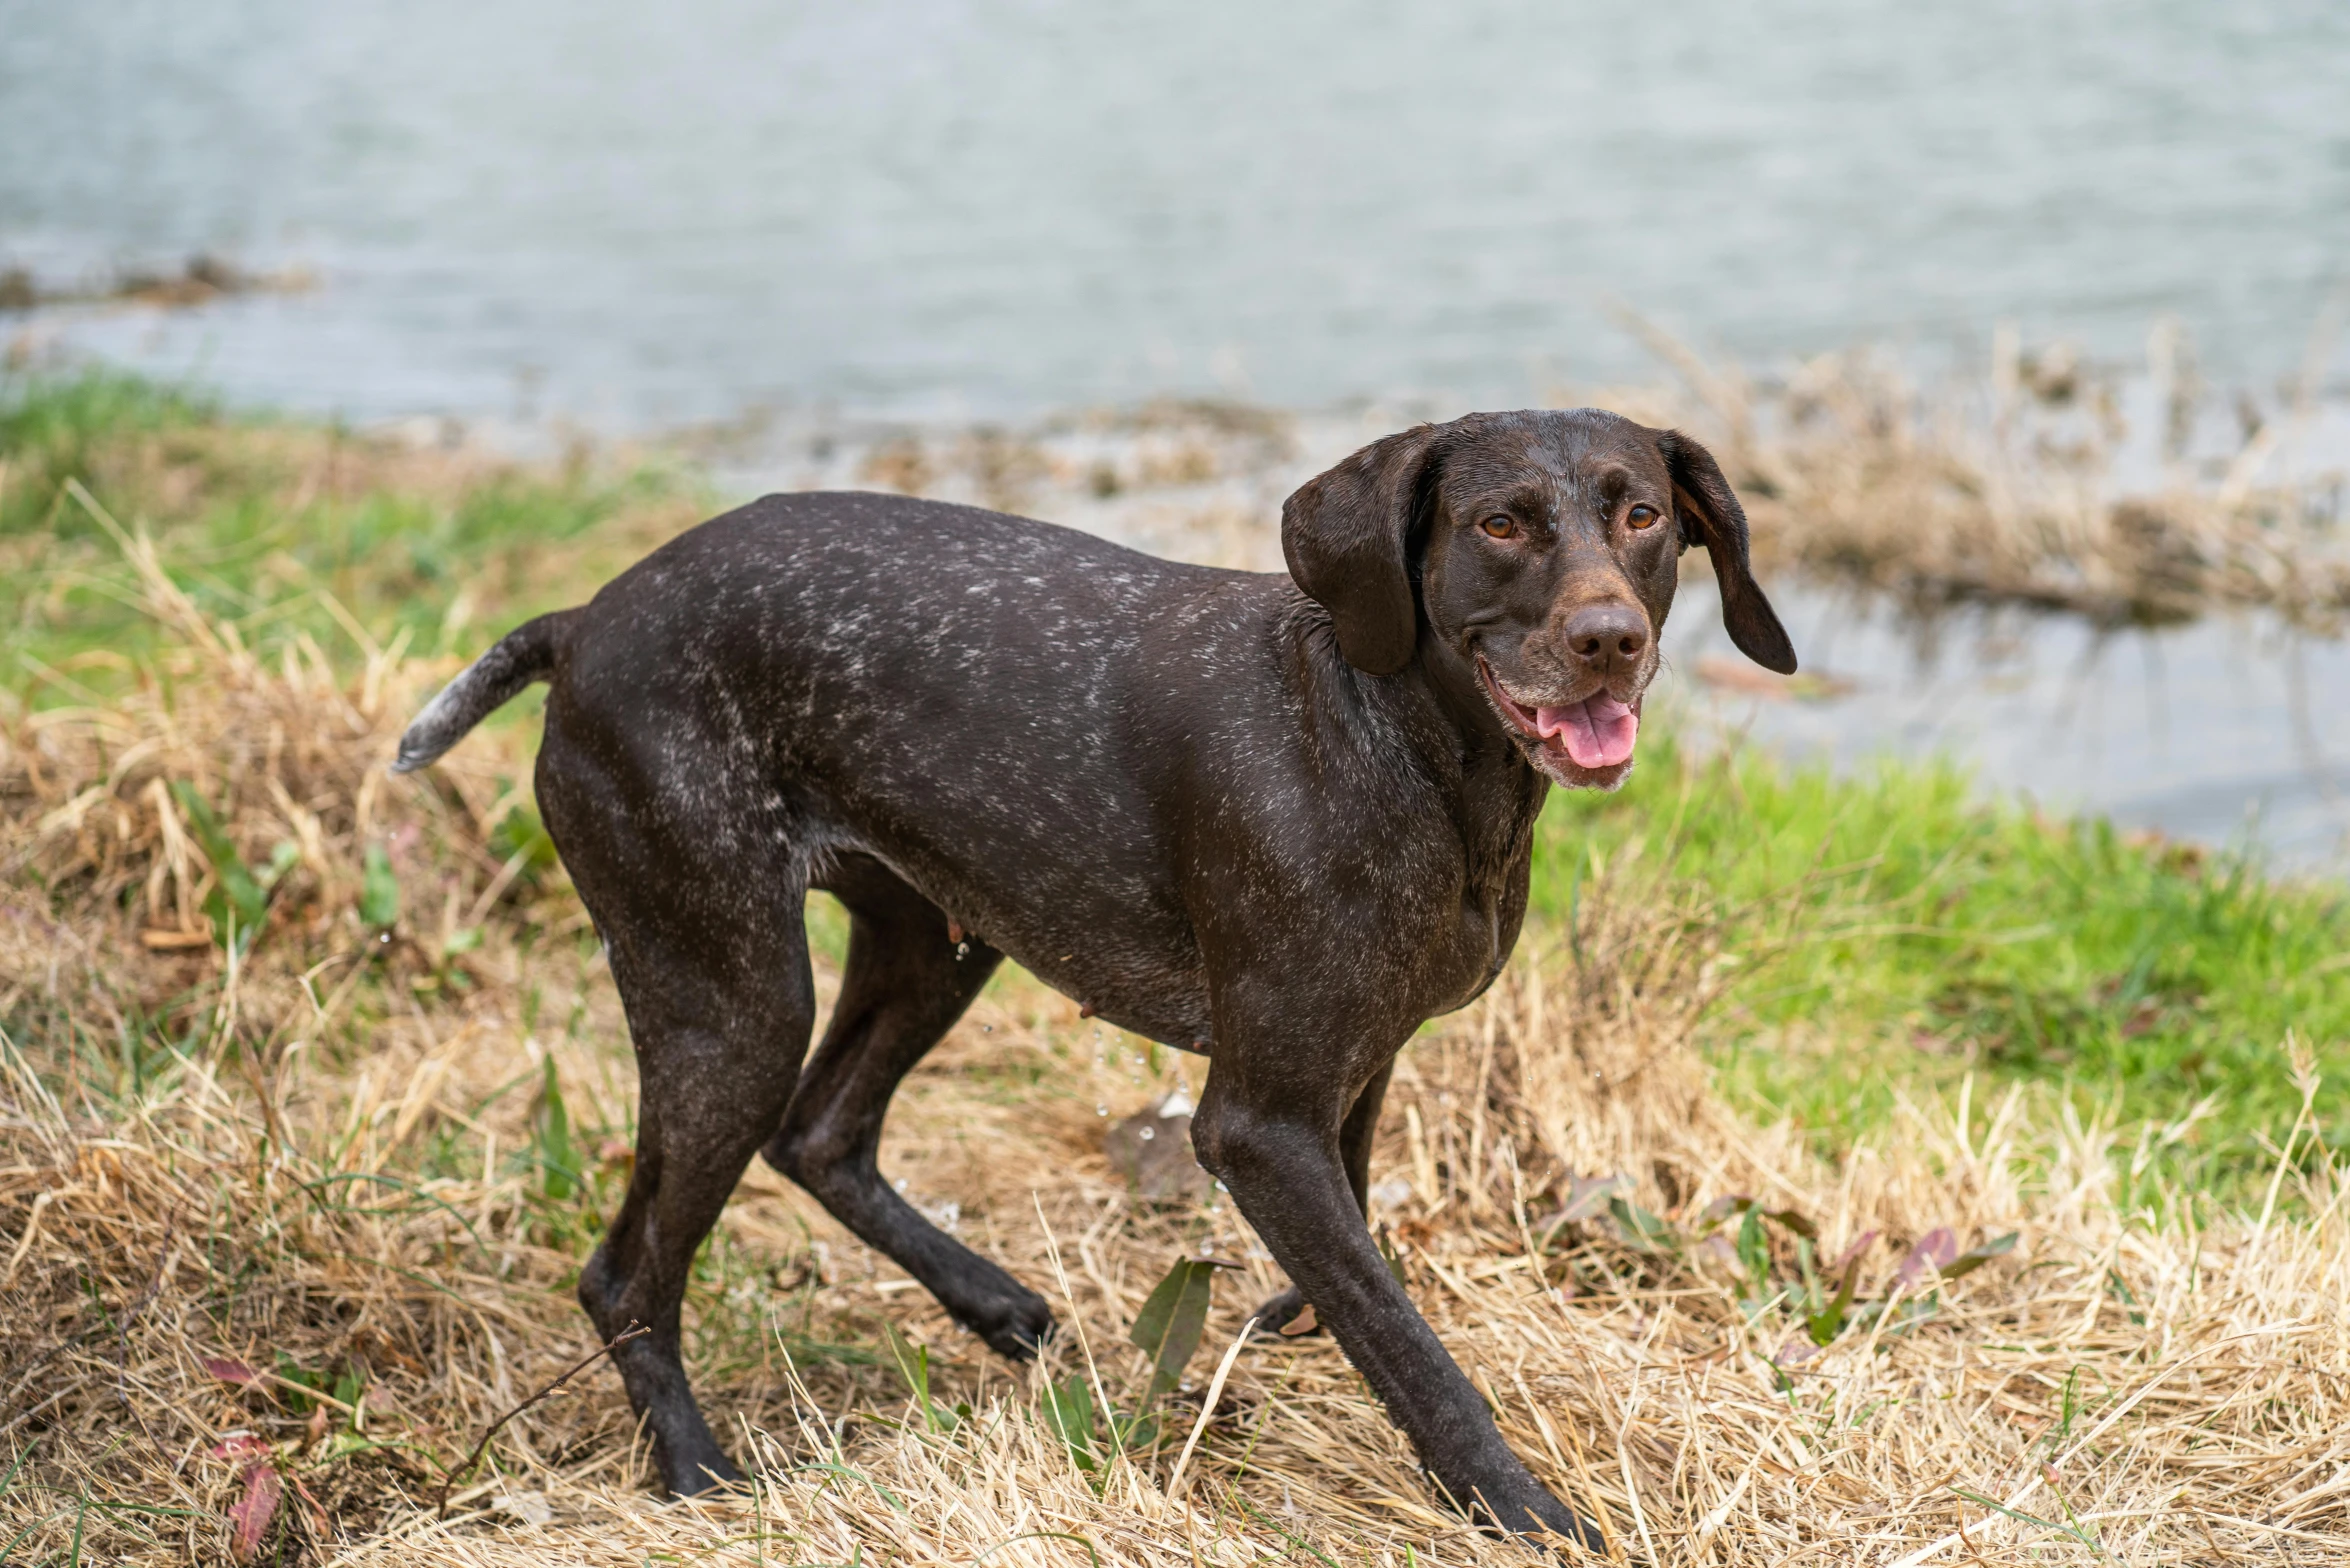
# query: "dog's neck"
1490, 789
1485, 783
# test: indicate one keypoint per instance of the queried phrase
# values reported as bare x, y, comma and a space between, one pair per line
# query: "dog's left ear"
1711, 516
1347, 535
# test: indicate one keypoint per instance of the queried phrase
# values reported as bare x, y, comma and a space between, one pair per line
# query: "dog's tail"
523, 655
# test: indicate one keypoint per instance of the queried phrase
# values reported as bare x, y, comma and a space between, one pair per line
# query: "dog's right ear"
1347, 535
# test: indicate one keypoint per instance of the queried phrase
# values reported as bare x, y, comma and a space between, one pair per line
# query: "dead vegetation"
314, 1087
2131, 494
201, 280
2031, 486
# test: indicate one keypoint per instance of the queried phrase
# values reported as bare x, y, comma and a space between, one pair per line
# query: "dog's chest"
1481, 924
1479, 939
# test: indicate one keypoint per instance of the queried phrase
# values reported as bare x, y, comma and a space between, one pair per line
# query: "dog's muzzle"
1594, 734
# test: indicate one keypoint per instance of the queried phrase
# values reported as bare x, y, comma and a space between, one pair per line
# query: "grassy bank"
1893, 933
1888, 931
314, 1092
284, 529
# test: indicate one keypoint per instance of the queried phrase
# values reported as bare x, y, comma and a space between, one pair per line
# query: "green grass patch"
1899, 931
55, 430
277, 527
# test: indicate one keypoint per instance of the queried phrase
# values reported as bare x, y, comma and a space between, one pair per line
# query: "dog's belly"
1166, 1006
1128, 963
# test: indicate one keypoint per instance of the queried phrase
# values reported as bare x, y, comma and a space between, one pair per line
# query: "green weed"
1168, 1330
1893, 929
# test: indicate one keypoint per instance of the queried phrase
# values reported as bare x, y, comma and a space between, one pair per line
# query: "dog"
1278, 820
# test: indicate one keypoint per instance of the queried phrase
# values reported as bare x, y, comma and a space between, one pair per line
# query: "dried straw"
321, 1168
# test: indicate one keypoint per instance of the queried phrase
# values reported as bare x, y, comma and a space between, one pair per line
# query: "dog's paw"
1286, 1316
1016, 1328
705, 1473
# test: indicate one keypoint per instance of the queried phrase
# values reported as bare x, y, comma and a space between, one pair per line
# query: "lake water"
636, 217
2231, 731
639, 215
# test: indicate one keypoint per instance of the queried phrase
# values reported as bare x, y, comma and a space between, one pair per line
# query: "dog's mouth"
1592, 738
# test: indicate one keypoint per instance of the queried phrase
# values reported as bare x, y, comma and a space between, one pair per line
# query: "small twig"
449, 1481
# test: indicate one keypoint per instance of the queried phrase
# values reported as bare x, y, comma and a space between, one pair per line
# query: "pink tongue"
1598, 731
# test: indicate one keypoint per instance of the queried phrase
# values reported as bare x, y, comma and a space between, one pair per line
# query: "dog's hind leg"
907, 982
716, 1067
709, 950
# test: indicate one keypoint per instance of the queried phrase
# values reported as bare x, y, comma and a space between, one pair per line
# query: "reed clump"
300, 1149
2041, 479
2030, 486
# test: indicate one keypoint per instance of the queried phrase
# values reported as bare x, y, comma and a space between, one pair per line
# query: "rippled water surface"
641, 213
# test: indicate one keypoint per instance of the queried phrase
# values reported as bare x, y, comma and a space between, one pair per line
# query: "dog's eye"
1642, 516
1499, 527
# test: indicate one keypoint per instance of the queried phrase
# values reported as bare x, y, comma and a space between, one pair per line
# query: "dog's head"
1534, 556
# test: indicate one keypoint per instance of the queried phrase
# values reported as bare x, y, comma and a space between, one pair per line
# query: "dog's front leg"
1273, 1139
1354, 1151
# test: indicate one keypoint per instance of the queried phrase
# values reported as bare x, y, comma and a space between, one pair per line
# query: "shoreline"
2179, 715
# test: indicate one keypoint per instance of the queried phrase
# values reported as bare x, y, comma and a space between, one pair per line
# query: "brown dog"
1278, 823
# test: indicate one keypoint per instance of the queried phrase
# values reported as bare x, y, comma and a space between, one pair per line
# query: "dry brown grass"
301, 1164
2019, 480
2013, 487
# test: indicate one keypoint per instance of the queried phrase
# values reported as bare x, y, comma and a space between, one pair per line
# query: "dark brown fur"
1279, 823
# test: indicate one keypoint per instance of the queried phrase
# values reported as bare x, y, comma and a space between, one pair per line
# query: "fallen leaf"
1588, 1196
1975, 1257
250, 1515
1937, 1249
229, 1371
1867, 1239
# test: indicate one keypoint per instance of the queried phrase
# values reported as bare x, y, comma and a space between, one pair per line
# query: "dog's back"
996, 707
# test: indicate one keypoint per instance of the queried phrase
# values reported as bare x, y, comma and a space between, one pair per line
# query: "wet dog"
1276, 820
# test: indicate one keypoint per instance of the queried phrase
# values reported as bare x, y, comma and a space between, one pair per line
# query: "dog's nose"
1606, 636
